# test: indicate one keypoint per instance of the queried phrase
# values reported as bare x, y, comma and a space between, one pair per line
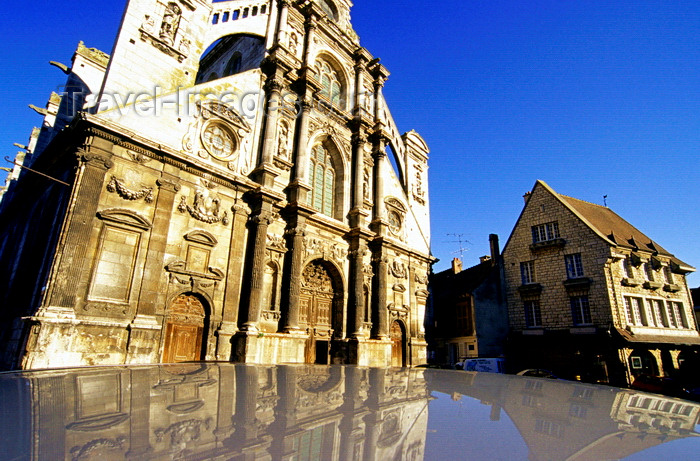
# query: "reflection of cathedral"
231, 198
304, 412
218, 412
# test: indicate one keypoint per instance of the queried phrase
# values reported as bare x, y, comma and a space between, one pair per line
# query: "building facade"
591, 297
467, 315
226, 194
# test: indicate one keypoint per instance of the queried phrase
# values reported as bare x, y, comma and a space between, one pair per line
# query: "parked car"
659, 385
537, 373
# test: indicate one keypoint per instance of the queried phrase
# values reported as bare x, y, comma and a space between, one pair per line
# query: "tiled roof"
612, 227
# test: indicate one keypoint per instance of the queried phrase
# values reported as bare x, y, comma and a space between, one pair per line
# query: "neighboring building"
467, 315
592, 297
229, 198
695, 293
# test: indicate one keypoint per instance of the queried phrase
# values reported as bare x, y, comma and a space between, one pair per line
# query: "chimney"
526, 197
495, 251
456, 265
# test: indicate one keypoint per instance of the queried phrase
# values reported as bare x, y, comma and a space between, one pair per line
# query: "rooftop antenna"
461, 241
605, 201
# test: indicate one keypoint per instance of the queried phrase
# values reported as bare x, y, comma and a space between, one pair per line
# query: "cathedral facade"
232, 187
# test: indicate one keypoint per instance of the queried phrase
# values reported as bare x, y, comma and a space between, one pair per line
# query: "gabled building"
225, 194
591, 297
467, 315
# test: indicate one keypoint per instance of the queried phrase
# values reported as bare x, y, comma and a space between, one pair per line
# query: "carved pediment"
179, 267
201, 236
211, 109
395, 203
123, 216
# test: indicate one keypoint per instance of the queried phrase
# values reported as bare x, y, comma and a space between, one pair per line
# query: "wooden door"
315, 311
397, 340
184, 330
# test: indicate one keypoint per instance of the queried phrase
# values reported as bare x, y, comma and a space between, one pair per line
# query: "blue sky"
593, 97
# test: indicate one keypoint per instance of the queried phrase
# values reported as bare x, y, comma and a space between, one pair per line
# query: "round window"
219, 141
394, 222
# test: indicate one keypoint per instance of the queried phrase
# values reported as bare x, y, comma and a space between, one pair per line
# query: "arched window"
234, 64
322, 175
331, 87
329, 9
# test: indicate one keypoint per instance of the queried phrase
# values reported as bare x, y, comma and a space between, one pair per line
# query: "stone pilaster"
152, 294
72, 276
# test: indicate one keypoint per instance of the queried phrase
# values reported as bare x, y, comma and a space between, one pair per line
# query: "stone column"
262, 220
72, 277
379, 156
358, 214
295, 238
379, 287
265, 172
357, 292
282, 22
300, 183
232, 291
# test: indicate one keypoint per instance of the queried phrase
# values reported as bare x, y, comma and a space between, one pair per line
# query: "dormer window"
649, 271
628, 268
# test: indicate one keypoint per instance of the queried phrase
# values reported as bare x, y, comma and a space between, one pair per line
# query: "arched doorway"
185, 327
320, 294
398, 341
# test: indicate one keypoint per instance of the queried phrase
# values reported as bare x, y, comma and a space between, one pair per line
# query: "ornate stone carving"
205, 207
98, 448
94, 159
170, 23
398, 269
164, 37
325, 249
276, 242
418, 190
421, 278
316, 277
184, 431
118, 187
368, 271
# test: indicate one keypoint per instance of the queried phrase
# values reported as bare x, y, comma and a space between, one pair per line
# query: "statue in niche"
293, 43
365, 185
171, 21
284, 141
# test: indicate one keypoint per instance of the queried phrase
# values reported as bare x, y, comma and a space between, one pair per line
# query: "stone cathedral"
231, 186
